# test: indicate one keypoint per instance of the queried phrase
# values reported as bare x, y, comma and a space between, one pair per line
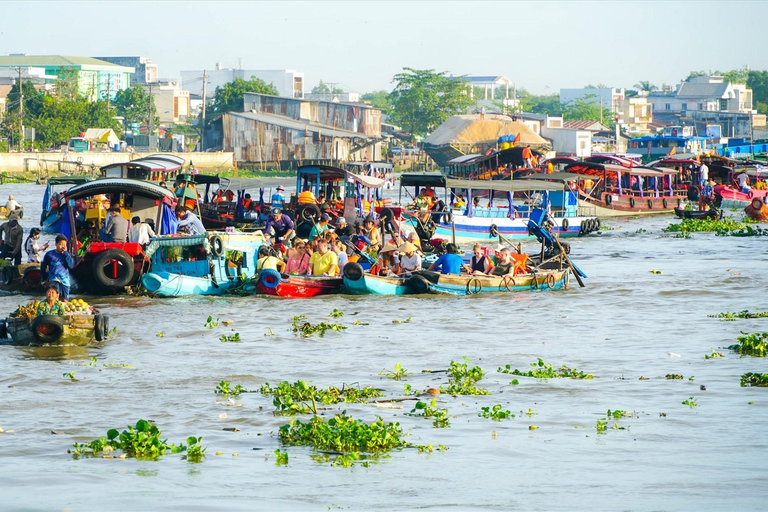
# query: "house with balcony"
636, 114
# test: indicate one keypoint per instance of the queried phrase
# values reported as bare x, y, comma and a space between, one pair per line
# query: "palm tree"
645, 85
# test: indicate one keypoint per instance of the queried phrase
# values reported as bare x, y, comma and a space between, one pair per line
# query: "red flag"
517, 139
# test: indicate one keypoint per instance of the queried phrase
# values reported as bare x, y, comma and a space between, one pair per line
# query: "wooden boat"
4, 212
618, 191
695, 214
74, 328
20, 278
359, 282
208, 264
271, 282
466, 284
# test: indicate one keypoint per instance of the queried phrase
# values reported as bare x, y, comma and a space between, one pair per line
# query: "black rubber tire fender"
32, 277
494, 230
650, 204
310, 211
353, 271
418, 282
664, 203
47, 328
693, 193
9, 274
122, 258
3, 329
631, 202
386, 216
447, 217
565, 225
756, 203
20, 213
599, 223
99, 331
217, 246
608, 199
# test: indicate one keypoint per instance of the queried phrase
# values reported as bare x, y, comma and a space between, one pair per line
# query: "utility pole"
21, 111
202, 129
109, 91
149, 124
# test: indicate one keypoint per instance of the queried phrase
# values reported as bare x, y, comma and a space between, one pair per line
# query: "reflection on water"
622, 326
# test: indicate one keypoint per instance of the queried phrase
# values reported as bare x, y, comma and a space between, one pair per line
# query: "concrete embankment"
54, 163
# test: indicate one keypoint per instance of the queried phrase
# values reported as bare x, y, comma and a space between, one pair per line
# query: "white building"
288, 82
703, 93
171, 102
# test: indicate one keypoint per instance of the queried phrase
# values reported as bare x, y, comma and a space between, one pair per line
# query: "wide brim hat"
407, 247
389, 247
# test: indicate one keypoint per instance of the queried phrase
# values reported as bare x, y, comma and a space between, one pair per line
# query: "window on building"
298, 87
666, 106
685, 106
723, 104
701, 106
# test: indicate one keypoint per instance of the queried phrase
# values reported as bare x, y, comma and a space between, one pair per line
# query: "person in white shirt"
12, 204
140, 232
743, 180
703, 175
410, 260
31, 247
340, 248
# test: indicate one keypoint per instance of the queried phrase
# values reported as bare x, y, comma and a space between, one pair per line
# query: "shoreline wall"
57, 161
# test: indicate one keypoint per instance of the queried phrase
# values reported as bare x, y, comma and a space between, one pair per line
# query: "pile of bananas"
76, 305
28, 311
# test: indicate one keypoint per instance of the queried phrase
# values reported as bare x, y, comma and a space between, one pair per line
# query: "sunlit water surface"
623, 325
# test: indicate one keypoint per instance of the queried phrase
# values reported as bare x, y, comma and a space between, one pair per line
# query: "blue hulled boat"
359, 282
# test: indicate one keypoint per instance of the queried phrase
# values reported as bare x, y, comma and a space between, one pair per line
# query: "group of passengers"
503, 262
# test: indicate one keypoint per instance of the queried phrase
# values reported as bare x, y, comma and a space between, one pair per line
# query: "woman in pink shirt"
298, 262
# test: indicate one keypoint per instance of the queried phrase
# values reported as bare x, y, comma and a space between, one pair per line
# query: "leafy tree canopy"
423, 99
229, 97
379, 99
324, 88
134, 105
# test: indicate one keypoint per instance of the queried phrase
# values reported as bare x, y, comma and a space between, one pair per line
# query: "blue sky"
541, 46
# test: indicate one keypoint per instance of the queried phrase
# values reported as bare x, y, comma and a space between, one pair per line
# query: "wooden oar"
570, 265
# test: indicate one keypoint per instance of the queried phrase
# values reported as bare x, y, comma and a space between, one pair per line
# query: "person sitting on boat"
324, 262
267, 260
280, 227
246, 202
413, 238
707, 195
505, 265
31, 247
387, 264
340, 248
140, 232
298, 260
12, 204
12, 238
343, 230
219, 197
448, 263
116, 227
51, 305
278, 199
56, 266
371, 232
460, 202
480, 263
410, 260
188, 222
423, 200
319, 229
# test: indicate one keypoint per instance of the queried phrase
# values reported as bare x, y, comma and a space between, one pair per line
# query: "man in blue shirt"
278, 200
56, 266
320, 228
189, 222
280, 227
450, 262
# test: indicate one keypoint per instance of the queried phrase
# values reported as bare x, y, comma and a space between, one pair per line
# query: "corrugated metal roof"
703, 91
584, 125
287, 122
53, 60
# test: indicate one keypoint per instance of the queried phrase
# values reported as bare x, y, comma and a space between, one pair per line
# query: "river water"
627, 323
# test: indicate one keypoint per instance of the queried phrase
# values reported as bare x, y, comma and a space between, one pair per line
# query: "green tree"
423, 99
324, 88
758, 82
735, 76
229, 98
598, 86
586, 109
134, 105
379, 99
645, 85
694, 74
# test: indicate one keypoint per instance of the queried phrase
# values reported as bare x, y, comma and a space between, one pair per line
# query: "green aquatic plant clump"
714, 355
440, 416
718, 226
755, 345
463, 379
305, 329
224, 388
746, 314
496, 413
343, 434
542, 370
142, 442
754, 380
302, 398
399, 373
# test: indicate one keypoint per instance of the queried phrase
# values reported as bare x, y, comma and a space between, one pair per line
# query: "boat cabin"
347, 194
496, 165
160, 167
617, 180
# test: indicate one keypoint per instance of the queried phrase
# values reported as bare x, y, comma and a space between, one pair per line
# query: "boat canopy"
236, 184
166, 156
611, 170
503, 185
327, 173
116, 185
69, 180
557, 160
512, 156
556, 176
610, 159
154, 163
423, 179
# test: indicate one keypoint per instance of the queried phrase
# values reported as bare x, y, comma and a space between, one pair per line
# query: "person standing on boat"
56, 266
324, 262
12, 237
31, 247
703, 175
743, 180
279, 227
12, 204
278, 199
140, 232
448, 263
188, 221
707, 195
527, 156
51, 305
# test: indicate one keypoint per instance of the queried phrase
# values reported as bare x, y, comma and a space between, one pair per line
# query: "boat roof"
556, 176
611, 159
113, 185
69, 180
330, 173
154, 163
505, 156
590, 167
436, 180
241, 183
560, 160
